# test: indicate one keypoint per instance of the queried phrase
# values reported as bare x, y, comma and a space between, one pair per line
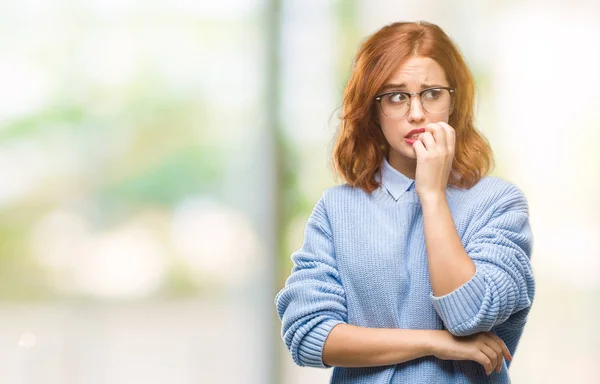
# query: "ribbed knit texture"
364, 262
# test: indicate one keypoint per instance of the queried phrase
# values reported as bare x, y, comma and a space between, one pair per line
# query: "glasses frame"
410, 96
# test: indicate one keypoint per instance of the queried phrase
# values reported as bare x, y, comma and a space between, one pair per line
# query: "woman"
417, 269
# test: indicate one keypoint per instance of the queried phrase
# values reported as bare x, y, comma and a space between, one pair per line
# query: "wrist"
432, 197
430, 342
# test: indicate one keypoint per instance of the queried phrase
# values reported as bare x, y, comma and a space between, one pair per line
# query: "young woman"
417, 269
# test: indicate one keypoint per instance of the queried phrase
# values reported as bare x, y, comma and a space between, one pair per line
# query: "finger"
450, 135
499, 358
505, 351
428, 140
419, 148
438, 133
485, 361
500, 342
492, 343
492, 355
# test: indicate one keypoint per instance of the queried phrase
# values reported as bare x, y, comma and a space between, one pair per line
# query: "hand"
485, 348
435, 153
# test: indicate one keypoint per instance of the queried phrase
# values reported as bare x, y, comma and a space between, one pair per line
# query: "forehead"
418, 70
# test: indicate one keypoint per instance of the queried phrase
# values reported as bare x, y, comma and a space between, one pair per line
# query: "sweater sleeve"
313, 299
503, 284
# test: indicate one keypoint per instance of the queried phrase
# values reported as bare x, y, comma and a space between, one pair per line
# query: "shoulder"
495, 193
343, 190
339, 199
340, 194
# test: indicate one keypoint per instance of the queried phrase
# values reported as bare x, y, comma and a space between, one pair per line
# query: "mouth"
414, 134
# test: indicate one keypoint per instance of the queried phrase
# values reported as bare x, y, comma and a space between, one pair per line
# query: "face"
414, 75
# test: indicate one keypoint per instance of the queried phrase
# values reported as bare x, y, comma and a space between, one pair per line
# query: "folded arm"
313, 311
502, 285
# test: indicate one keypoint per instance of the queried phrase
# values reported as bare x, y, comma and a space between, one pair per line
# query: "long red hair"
360, 146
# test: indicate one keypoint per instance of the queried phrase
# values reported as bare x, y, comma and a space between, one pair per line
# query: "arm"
352, 346
313, 300
500, 249
312, 308
449, 264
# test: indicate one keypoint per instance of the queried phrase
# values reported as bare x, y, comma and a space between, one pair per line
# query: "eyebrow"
403, 86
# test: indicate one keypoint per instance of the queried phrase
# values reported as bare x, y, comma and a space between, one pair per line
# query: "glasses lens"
436, 100
395, 104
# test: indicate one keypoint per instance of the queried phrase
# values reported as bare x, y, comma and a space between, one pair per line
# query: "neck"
402, 164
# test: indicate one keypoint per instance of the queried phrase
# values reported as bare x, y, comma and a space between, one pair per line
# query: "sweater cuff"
461, 305
310, 350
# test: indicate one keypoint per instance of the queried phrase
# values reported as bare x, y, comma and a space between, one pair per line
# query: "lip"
417, 130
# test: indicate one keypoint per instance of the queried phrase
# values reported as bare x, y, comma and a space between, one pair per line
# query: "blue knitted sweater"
364, 262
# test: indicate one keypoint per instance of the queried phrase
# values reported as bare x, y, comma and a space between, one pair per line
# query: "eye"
397, 97
432, 94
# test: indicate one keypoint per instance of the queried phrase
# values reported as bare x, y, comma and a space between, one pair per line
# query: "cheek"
443, 118
391, 128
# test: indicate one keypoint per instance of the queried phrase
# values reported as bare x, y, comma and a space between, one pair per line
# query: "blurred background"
159, 159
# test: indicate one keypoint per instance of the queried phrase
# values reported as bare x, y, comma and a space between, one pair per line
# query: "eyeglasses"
436, 100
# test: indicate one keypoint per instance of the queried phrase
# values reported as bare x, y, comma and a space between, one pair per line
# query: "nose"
416, 114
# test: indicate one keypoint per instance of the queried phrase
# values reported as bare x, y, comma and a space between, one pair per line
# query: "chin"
410, 155
407, 152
